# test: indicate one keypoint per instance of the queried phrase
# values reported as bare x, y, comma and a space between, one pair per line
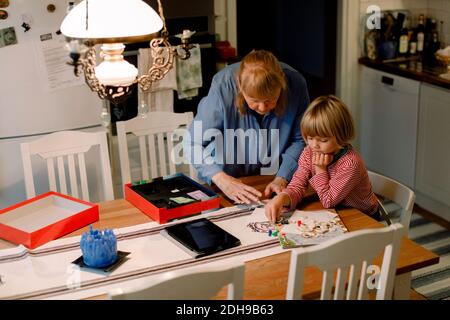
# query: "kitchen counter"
411, 69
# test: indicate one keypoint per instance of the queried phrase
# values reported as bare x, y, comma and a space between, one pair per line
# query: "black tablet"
200, 237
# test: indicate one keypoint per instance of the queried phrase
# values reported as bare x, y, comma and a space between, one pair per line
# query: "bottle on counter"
428, 36
428, 24
413, 44
433, 25
403, 46
420, 34
399, 23
431, 44
441, 33
435, 44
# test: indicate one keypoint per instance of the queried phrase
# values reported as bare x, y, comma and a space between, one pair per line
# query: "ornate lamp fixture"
112, 23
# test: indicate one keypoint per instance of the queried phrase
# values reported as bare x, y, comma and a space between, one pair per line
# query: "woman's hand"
321, 161
276, 186
273, 207
235, 189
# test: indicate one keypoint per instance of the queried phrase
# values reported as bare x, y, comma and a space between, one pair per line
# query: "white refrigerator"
38, 93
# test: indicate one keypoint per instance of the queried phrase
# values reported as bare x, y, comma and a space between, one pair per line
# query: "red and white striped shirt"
345, 182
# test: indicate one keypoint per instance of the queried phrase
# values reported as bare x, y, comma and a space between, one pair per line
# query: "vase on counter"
387, 50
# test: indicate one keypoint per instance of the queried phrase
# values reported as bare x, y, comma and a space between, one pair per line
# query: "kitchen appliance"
38, 94
389, 124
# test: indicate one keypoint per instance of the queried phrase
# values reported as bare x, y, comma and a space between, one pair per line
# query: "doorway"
301, 33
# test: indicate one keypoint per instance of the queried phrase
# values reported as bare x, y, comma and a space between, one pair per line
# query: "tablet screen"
202, 236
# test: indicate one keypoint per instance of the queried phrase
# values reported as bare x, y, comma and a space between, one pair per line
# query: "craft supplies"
168, 198
181, 200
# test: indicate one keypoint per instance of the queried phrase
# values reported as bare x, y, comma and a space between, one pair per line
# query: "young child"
328, 162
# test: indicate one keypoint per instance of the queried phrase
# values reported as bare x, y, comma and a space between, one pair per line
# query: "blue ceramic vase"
387, 50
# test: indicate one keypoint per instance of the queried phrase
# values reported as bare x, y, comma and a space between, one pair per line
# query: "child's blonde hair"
260, 75
328, 116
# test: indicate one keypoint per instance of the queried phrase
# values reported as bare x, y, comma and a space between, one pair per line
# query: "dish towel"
189, 74
160, 95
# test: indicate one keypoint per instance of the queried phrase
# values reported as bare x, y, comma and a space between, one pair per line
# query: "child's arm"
294, 192
273, 207
298, 186
332, 191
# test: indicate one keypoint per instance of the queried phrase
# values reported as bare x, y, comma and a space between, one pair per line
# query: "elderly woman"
249, 124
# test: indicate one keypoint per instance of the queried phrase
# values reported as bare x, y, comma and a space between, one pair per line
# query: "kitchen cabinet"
433, 148
388, 127
404, 133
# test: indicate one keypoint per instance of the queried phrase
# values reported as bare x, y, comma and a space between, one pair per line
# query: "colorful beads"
275, 230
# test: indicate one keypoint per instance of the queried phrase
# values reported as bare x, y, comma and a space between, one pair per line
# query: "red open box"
44, 218
164, 214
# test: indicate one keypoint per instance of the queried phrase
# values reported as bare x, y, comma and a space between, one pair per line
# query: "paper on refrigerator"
51, 61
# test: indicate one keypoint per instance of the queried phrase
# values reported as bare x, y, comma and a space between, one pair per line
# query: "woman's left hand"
276, 186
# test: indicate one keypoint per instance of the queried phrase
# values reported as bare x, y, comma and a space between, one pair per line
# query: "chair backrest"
396, 192
351, 255
188, 285
70, 147
157, 125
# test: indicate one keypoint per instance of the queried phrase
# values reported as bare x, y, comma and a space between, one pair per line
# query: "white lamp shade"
114, 70
116, 73
111, 21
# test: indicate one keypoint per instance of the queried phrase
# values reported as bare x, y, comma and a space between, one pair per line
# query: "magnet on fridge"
25, 26
51, 8
7, 37
3, 14
27, 19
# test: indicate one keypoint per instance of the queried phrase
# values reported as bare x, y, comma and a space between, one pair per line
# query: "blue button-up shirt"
222, 139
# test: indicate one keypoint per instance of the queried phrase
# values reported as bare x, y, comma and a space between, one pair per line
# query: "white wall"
347, 67
225, 20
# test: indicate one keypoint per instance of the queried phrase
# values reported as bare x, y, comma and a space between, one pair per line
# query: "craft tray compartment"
41, 219
153, 198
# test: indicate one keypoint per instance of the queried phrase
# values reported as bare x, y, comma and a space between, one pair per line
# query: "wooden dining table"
266, 278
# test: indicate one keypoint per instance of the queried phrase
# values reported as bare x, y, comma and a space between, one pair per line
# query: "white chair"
188, 285
72, 145
352, 252
160, 125
396, 192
